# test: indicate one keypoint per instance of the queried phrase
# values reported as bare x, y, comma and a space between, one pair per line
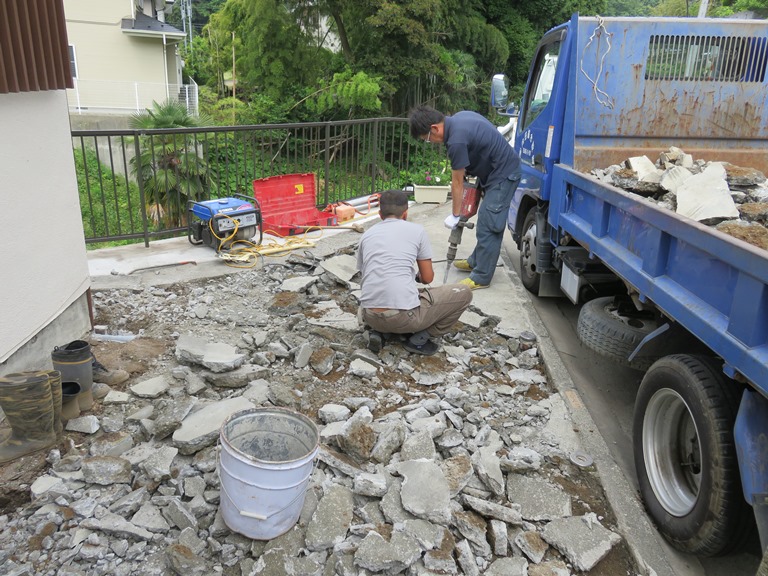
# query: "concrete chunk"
342, 267
331, 520
334, 317
706, 195
150, 518
508, 567
642, 166
432, 505
488, 469
116, 525
377, 555
158, 465
201, 428
538, 499
333, 413
217, 357
106, 470
532, 545
490, 510
85, 424
581, 539
374, 485
152, 388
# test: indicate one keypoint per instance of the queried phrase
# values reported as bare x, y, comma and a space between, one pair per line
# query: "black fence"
136, 184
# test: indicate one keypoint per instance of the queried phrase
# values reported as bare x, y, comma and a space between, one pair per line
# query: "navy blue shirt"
474, 143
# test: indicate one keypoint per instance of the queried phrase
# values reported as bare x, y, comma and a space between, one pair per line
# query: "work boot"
109, 377
462, 265
27, 402
472, 284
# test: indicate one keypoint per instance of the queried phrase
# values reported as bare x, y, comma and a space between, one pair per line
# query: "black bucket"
75, 362
70, 394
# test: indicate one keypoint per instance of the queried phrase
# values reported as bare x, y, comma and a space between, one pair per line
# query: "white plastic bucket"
265, 465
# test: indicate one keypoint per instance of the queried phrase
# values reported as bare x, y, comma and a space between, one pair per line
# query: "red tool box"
289, 204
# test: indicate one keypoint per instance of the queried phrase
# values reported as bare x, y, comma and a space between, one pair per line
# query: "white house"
44, 294
123, 56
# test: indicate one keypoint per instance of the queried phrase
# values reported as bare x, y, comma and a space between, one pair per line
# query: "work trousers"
491, 223
439, 309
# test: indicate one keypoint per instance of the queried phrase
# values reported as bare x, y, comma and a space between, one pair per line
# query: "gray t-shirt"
386, 257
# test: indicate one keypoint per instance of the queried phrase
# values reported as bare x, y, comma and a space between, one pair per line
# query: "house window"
72, 61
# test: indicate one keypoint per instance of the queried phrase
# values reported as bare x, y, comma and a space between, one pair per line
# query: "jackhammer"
469, 202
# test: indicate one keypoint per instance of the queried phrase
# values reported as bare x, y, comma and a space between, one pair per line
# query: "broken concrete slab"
331, 520
538, 499
342, 267
706, 195
581, 539
298, 283
201, 428
216, 356
152, 388
333, 316
377, 555
433, 505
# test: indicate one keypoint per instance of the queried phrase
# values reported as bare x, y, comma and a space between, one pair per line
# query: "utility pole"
234, 79
703, 8
189, 17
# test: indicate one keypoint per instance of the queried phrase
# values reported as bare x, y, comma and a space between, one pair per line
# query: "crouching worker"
391, 302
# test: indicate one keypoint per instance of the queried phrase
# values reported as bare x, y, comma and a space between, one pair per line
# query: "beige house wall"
42, 249
115, 70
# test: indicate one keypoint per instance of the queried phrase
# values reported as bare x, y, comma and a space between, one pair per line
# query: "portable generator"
220, 222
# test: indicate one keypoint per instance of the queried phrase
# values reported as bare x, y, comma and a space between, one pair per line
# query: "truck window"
543, 79
707, 58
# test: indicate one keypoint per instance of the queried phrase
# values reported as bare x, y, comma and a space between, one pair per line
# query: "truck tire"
528, 275
604, 328
685, 455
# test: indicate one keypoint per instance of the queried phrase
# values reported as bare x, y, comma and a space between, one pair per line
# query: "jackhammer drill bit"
453, 243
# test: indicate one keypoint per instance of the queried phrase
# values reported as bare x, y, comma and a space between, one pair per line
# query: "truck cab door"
539, 125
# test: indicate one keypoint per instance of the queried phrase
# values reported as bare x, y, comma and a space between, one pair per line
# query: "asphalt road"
609, 390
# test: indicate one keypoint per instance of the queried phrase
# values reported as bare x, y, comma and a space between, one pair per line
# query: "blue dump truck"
683, 302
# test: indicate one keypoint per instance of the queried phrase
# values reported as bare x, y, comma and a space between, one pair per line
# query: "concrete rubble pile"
452, 464
731, 198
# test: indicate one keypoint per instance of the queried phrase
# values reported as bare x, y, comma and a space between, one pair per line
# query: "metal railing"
136, 184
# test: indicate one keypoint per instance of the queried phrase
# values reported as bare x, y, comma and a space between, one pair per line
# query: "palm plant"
170, 167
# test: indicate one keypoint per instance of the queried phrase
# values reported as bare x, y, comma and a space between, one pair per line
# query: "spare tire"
614, 331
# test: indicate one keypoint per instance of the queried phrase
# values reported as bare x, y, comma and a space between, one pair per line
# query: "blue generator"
220, 222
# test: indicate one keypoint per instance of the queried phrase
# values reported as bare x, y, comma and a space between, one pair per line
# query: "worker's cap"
393, 198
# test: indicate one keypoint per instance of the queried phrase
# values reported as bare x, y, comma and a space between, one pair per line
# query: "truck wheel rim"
528, 251
672, 452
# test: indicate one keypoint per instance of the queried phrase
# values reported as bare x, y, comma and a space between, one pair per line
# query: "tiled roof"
143, 23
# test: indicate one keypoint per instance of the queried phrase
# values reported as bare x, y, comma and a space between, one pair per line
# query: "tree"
169, 167
273, 55
629, 7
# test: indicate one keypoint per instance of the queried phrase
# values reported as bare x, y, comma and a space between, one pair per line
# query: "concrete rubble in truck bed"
732, 199
452, 464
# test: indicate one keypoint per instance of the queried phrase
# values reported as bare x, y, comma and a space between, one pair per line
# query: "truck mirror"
499, 91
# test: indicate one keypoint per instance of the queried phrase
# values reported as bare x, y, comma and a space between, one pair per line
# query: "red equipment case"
289, 204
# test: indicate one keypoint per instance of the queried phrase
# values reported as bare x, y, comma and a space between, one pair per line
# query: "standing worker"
475, 148
388, 256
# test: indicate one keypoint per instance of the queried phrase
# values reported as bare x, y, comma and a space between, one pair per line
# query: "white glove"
451, 221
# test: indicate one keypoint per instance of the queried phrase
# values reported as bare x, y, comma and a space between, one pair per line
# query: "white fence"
121, 97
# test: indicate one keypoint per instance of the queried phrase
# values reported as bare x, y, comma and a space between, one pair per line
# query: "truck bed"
714, 285
645, 84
